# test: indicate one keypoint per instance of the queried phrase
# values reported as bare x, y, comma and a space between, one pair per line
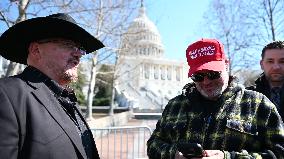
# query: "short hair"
273, 45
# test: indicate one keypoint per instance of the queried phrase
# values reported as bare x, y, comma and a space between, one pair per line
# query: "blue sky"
179, 23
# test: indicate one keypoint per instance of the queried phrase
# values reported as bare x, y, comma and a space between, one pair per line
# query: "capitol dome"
142, 38
145, 78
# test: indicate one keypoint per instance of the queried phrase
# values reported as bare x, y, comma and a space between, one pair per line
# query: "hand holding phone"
190, 150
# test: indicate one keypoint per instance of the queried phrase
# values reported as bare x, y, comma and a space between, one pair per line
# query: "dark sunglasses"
212, 75
67, 45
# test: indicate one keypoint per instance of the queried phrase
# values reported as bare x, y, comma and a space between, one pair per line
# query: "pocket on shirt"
243, 127
240, 135
46, 131
47, 139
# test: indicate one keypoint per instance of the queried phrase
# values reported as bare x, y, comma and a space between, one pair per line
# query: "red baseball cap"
206, 54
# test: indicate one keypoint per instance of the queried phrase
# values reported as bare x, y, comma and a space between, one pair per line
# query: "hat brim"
212, 66
15, 41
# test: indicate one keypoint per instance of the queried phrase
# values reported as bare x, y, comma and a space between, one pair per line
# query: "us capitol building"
146, 79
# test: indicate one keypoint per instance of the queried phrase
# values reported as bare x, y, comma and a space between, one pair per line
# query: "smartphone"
190, 150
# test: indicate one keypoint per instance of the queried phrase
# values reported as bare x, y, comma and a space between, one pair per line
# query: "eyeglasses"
212, 75
66, 45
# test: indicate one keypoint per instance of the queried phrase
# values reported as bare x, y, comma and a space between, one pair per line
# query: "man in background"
270, 83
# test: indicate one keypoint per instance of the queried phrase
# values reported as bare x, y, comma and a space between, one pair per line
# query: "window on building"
146, 71
169, 73
178, 74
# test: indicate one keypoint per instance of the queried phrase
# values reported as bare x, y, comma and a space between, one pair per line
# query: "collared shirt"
275, 96
68, 101
243, 124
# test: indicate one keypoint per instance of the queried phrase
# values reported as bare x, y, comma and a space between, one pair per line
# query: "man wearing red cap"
215, 117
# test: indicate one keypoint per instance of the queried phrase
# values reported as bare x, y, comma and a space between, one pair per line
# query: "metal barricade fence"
127, 142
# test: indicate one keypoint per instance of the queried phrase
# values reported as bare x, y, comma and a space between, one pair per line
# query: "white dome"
142, 38
142, 22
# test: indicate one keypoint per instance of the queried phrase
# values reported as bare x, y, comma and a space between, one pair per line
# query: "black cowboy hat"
15, 41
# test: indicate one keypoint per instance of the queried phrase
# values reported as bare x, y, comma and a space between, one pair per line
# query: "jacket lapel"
56, 111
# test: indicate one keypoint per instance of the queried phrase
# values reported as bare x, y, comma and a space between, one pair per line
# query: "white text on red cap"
204, 51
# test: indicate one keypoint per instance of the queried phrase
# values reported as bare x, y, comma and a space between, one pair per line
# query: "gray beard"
68, 78
216, 94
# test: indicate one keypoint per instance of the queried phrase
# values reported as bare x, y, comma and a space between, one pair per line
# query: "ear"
34, 52
261, 64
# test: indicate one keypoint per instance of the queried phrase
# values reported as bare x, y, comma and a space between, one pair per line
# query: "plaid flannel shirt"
242, 123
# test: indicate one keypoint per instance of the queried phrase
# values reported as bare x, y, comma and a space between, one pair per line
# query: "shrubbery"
102, 101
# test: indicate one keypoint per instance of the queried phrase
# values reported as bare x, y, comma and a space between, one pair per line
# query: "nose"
276, 65
206, 80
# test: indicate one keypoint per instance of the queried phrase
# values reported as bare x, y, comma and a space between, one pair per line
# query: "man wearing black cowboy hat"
39, 118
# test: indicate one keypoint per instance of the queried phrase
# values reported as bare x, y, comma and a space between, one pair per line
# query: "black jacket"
261, 85
33, 125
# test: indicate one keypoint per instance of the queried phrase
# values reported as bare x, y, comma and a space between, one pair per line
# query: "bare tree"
22, 6
227, 24
245, 27
14, 11
247, 77
106, 20
267, 17
112, 20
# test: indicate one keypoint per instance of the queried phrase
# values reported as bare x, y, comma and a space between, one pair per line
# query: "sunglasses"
67, 45
212, 75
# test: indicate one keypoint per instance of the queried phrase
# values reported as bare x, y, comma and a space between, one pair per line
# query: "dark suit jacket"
33, 124
261, 85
